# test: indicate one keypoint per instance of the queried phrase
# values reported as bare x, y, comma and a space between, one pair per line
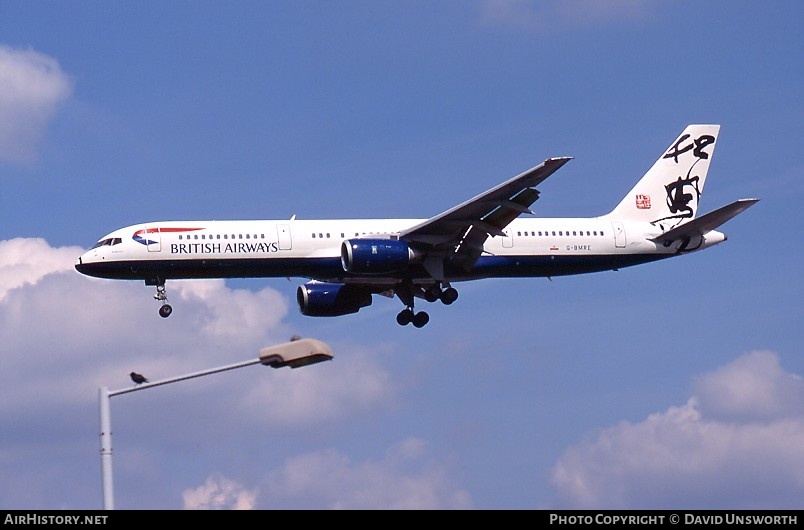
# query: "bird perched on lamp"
138, 378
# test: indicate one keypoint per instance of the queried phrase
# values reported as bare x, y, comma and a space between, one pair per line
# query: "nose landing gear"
166, 309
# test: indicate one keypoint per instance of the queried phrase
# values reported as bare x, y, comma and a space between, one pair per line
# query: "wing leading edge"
460, 232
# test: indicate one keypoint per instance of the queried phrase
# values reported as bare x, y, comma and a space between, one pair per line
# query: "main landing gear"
166, 309
408, 292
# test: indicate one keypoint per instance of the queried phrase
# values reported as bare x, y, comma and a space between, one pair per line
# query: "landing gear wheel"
421, 319
161, 295
449, 296
432, 294
404, 317
406, 293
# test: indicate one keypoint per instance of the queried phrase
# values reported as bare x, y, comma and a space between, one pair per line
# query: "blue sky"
674, 384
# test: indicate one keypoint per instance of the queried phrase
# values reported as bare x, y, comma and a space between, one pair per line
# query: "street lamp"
295, 354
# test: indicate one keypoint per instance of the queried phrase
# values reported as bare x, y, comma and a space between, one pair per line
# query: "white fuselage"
312, 249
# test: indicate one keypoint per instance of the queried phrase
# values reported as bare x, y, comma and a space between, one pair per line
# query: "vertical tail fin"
668, 194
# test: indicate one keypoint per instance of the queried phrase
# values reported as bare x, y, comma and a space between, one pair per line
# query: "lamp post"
295, 354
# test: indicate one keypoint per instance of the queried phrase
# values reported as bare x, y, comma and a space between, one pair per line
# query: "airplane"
347, 261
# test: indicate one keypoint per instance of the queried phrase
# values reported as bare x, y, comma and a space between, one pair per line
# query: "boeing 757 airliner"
348, 261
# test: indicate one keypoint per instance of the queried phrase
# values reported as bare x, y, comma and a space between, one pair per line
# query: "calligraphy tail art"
669, 192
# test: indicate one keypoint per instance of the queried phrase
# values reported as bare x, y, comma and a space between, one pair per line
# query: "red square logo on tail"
643, 202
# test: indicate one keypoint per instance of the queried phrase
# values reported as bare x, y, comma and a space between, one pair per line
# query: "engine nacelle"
317, 299
376, 256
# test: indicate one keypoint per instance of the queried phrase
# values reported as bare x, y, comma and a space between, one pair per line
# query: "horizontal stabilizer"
705, 223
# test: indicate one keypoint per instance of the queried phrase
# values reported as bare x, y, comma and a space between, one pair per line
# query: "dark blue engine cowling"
375, 256
318, 299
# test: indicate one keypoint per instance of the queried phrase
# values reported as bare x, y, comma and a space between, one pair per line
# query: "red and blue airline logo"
140, 236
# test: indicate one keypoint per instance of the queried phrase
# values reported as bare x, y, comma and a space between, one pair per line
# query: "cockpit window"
109, 241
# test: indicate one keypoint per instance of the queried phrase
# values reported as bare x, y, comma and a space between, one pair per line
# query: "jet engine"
319, 299
376, 256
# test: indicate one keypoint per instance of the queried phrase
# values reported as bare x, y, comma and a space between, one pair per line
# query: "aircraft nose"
83, 266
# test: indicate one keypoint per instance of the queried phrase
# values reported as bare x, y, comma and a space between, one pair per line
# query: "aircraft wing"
706, 223
460, 232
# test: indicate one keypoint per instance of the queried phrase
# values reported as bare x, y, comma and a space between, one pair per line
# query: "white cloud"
219, 493
63, 336
343, 388
752, 388
737, 444
229, 314
26, 261
68, 333
405, 479
32, 85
